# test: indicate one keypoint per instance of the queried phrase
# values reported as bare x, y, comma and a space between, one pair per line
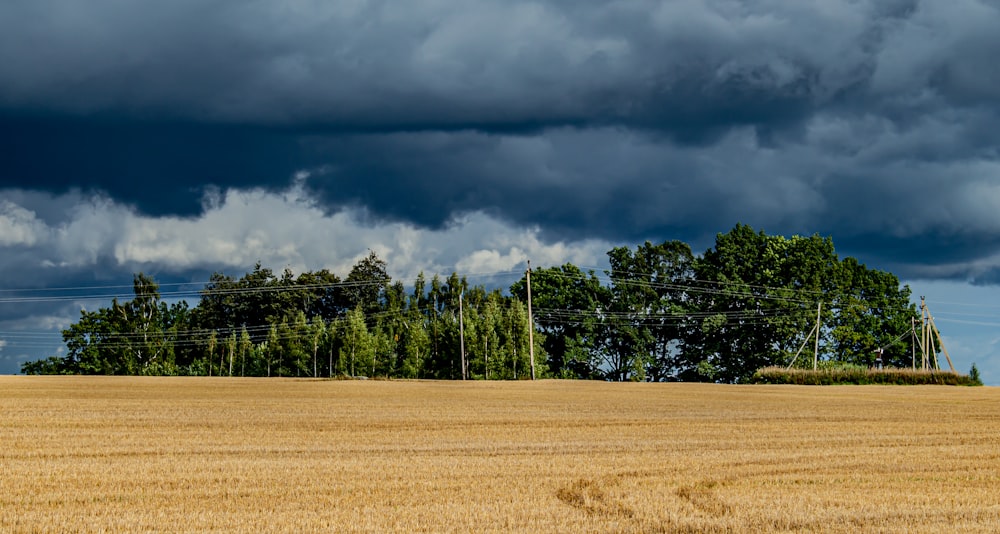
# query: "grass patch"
861, 375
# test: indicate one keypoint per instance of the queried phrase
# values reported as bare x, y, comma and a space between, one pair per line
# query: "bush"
52, 365
847, 374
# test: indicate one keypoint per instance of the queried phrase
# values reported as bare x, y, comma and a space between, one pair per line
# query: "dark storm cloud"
621, 120
597, 182
687, 68
161, 167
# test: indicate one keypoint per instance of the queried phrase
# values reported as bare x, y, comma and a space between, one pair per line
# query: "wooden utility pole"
819, 308
804, 342
940, 342
531, 324
815, 330
461, 332
924, 338
928, 334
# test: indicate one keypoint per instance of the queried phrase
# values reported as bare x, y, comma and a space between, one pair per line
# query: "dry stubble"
197, 454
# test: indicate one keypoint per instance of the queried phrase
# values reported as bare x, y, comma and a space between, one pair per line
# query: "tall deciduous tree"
357, 342
873, 311
131, 337
365, 286
757, 302
569, 307
316, 333
648, 303
246, 345
487, 342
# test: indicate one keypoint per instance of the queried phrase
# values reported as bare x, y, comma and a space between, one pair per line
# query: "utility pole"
461, 332
531, 324
819, 308
925, 336
937, 333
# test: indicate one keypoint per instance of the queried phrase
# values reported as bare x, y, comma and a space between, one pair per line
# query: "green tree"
365, 285
873, 311
357, 342
245, 347
319, 294
299, 344
646, 309
515, 352
487, 342
416, 347
88, 342
749, 301
232, 342
211, 344
756, 302
332, 341
392, 324
382, 348
256, 300
974, 376
567, 307
272, 348
317, 331
141, 340
131, 337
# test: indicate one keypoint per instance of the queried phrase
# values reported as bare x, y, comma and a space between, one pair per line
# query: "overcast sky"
190, 136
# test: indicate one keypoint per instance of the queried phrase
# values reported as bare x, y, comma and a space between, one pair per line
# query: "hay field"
276, 455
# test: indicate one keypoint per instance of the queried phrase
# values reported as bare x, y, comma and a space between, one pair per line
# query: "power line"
749, 316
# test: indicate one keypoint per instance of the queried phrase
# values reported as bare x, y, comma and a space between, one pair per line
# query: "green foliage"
366, 284
760, 293
874, 311
658, 313
707, 371
52, 365
358, 344
563, 302
134, 337
646, 303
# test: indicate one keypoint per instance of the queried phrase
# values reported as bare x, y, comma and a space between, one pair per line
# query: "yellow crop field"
116, 454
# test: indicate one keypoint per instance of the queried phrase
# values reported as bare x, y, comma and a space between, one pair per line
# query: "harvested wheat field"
284, 455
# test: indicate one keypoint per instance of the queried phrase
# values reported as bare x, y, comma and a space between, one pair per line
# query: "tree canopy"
659, 312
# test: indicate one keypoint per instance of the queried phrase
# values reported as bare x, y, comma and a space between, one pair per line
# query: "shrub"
846, 374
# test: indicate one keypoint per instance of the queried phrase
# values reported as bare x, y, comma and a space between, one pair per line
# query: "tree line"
659, 313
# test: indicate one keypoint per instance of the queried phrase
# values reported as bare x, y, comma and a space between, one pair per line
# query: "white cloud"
240, 227
19, 226
92, 228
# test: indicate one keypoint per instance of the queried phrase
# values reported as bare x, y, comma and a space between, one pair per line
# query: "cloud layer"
682, 67
241, 227
616, 120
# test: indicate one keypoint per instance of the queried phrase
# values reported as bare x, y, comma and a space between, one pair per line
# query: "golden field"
119, 454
